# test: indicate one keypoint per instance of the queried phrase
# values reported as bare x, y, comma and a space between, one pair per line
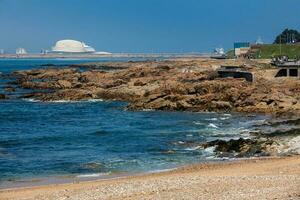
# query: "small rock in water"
169, 152
2, 96
242, 147
10, 89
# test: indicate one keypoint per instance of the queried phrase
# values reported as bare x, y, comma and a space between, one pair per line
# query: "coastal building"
44, 51
287, 68
236, 72
72, 46
259, 41
241, 48
20, 51
1, 51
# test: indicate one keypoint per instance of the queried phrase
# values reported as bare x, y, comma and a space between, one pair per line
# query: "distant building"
44, 51
103, 53
72, 46
259, 41
20, 51
1, 51
241, 48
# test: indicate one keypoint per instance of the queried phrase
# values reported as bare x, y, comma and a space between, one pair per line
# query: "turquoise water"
39, 139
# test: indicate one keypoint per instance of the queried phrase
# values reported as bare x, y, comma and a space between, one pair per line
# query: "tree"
288, 36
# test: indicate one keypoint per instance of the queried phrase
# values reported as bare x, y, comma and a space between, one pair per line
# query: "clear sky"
144, 25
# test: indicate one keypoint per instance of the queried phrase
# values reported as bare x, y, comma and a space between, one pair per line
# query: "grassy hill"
271, 50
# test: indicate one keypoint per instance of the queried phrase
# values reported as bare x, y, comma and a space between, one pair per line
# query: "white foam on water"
162, 170
92, 175
31, 100
95, 100
193, 148
212, 125
244, 131
210, 150
66, 101
212, 119
77, 101
224, 118
198, 123
293, 145
147, 110
63, 101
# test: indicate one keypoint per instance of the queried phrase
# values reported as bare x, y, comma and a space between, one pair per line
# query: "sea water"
91, 138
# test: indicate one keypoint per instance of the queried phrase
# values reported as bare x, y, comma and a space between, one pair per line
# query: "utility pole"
280, 46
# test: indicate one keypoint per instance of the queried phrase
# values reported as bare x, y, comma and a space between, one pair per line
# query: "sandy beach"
267, 178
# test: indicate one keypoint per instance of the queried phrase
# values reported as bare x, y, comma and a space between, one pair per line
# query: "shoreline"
277, 171
90, 177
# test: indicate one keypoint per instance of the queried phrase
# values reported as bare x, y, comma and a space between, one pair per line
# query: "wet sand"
268, 178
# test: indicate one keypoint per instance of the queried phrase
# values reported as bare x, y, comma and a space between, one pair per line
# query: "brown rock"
169, 85
64, 84
10, 89
2, 96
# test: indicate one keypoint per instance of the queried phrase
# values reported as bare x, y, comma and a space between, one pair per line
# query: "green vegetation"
230, 54
286, 43
273, 50
288, 36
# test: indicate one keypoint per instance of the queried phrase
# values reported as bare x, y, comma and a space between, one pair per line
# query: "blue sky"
144, 25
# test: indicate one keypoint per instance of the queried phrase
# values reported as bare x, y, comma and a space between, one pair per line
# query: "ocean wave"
95, 100
31, 100
211, 125
162, 170
64, 101
224, 118
77, 101
198, 123
212, 119
147, 110
93, 175
193, 148
244, 131
210, 150
293, 145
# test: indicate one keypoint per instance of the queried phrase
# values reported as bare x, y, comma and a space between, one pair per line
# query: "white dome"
72, 46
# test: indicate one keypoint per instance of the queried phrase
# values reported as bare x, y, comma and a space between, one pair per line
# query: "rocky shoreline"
178, 85
183, 85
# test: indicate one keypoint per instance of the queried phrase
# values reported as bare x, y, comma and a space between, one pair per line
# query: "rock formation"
189, 85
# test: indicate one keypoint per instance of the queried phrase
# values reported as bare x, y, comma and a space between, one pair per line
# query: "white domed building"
72, 46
